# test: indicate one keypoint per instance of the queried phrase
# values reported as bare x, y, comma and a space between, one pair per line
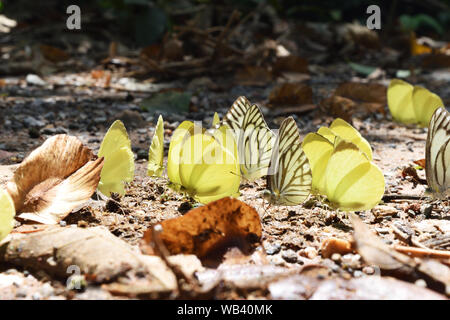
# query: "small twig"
423, 253
389, 197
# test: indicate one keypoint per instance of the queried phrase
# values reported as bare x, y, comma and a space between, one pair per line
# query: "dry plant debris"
209, 228
54, 179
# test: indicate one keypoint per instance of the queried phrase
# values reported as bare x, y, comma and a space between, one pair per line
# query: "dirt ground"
292, 236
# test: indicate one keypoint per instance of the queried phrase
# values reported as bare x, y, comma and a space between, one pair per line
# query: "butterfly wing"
216, 120
352, 181
289, 177
425, 104
318, 150
400, 101
173, 158
437, 152
347, 132
118, 166
156, 152
208, 170
7, 213
235, 116
255, 145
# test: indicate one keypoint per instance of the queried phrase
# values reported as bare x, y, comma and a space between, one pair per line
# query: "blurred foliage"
146, 21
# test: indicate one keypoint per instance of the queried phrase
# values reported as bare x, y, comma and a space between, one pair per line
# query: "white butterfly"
254, 138
289, 177
437, 153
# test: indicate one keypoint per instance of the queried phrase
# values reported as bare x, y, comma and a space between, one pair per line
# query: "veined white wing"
235, 116
437, 153
255, 145
289, 177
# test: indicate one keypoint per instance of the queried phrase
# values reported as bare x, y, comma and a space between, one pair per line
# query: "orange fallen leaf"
291, 94
207, 229
54, 179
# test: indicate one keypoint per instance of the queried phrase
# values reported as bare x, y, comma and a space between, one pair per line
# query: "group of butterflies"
334, 163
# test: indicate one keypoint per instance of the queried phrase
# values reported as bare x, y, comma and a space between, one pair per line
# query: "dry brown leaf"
54, 179
376, 252
253, 76
363, 92
291, 64
436, 60
53, 54
94, 252
207, 229
338, 107
290, 94
152, 52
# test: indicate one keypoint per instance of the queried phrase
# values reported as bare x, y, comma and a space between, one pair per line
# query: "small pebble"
336, 257
272, 248
289, 256
357, 274
421, 283
368, 270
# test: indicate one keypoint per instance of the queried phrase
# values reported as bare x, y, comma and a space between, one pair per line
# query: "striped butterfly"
289, 178
254, 138
437, 153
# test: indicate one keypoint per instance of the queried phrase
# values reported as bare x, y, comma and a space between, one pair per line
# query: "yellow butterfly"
341, 128
437, 153
7, 213
118, 167
156, 151
289, 176
343, 173
411, 104
202, 163
216, 120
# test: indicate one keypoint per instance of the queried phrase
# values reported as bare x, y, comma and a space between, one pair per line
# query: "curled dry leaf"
54, 179
206, 229
291, 94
